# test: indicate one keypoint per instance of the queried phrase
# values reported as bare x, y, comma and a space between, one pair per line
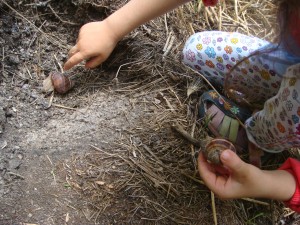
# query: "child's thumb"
231, 161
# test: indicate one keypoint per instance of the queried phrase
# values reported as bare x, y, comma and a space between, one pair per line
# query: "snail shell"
215, 147
61, 83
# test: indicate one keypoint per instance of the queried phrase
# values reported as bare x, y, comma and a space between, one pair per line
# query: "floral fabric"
277, 126
262, 76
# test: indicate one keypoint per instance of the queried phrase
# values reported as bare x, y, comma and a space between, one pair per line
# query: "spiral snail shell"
57, 81
61, 82
215, 147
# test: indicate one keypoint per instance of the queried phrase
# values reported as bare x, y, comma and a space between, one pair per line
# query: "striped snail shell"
215, 147
61, 82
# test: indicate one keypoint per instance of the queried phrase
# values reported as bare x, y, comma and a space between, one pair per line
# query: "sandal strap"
229, 128
225, 126
223, 118
234, 130
228, 107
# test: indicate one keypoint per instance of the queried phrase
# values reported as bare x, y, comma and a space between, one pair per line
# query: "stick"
28, 71
167, 101
58, 17
192, 146
213, 206
220, 16
193, 178
169, 44
63, 107
3, 60
60, 67
50, 101
166, 24
17, 175
236, 10
187, 136
256, 201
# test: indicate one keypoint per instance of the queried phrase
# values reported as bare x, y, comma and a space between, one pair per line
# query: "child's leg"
214, 53
277, 126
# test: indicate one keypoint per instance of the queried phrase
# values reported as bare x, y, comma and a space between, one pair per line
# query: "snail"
215, 147
57, 81
211, 147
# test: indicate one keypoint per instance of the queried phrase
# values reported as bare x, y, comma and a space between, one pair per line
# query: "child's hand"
245, 180
95, 43
97, 40
239, 182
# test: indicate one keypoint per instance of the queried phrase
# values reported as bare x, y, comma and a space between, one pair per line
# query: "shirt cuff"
293, 166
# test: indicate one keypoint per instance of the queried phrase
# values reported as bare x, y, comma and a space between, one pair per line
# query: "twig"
174, 93
35, 36
236, 10
167, 41
199, 6
39, 4
137, 62
3, 60
166, 23
64, 107
167, 101
256, 201
50, 101
192, 146
213, 206
60, 67
220, 17
4, 144
206, 17
193, 178
52, 171
15, 174
58, 17
170, 44
49, 160
67, 204
187, 136
191, 28
28, 71
215, 15
28, 224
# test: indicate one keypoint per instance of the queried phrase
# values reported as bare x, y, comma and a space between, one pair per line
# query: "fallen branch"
179, 129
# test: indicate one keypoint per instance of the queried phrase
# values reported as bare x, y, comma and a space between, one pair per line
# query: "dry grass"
149, 175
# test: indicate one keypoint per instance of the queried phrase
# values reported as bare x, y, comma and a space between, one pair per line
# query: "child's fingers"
233, 162
210, 175
95, 61
74, 60
72, 51
205, 169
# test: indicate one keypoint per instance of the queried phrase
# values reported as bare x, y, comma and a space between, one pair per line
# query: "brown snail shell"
215, 147
61, 82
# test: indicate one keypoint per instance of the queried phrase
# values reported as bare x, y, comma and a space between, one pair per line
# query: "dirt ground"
103, 153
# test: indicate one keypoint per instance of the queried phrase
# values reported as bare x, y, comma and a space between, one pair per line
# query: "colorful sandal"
225, 118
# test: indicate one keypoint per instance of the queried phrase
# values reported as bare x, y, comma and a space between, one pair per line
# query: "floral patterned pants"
270, 75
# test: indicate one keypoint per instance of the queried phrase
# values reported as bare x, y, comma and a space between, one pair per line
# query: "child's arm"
96, 40
245, 180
